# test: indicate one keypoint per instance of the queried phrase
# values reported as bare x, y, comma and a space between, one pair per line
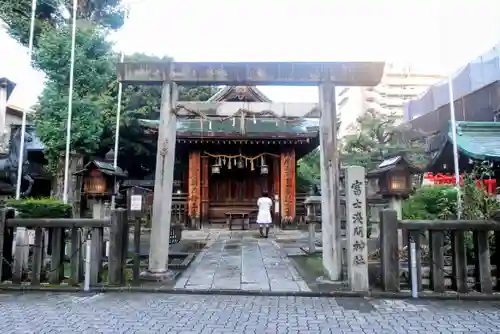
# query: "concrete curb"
222, 292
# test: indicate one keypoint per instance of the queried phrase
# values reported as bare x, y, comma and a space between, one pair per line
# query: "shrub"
427, 202
41, 208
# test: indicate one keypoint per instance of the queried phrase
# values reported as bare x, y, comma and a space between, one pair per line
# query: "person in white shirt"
264, 217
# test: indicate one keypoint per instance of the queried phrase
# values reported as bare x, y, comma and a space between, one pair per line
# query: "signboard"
136, 203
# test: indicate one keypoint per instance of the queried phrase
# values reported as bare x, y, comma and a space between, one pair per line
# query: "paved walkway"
241, 262
144, 313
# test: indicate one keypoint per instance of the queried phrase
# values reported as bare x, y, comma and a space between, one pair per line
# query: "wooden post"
57, 256
205, 195
137, 251
287, 184
76, 255
194, 188
357, 248
115, 259
37, 257
6, 241
164, 174
483, 267
330, 195
437, 260
389, 259
96, 255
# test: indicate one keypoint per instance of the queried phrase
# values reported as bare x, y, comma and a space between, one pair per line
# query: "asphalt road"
164, 313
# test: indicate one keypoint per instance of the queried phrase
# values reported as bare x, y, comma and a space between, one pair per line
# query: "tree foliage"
377, 136
95, 88
309, 168
51, 14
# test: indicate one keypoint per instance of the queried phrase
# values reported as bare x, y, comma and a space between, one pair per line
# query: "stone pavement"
239, 261
143, 313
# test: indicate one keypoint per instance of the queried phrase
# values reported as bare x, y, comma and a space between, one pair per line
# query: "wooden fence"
78, 228
433, 265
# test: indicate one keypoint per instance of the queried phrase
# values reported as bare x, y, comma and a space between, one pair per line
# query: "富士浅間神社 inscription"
357, 250
357, 219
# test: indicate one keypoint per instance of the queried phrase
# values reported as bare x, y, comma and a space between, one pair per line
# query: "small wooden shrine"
248, 145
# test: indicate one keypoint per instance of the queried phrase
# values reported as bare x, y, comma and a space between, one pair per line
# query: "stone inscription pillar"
357, 248
164, 176
330, 195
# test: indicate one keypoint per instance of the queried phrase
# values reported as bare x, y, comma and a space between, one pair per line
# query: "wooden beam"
226, 109
253, 73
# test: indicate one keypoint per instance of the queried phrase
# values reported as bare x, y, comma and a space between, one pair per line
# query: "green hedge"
41, 208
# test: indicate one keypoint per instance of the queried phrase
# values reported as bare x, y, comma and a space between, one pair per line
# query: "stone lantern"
99, 184
394, 177
313, 217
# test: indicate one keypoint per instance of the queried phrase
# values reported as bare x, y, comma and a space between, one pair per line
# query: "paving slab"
242, 262
123, 313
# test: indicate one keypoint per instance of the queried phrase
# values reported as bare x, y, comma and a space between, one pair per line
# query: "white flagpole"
117, 127
117, 134
451, 101
453, 124
23, 122
70, 104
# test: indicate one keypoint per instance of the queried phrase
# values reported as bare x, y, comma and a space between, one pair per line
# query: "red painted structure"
489, 185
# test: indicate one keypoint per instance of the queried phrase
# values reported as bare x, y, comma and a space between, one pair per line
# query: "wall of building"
399, 85
12, 117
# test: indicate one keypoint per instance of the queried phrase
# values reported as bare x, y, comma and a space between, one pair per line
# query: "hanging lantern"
95, 183
240, 164
216, 167
264, 169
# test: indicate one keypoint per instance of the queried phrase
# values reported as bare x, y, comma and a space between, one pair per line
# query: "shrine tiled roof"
478, 140
305, 127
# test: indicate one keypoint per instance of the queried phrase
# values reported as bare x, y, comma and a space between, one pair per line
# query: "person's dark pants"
261, 230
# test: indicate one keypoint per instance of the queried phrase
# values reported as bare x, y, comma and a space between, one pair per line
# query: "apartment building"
399, 84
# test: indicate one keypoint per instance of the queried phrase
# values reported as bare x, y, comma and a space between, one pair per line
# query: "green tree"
93, 92
309, 168
378, 136
95, 86
51, 14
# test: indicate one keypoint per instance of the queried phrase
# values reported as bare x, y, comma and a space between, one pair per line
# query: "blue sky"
432, 35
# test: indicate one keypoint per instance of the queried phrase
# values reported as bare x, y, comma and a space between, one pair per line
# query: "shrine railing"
442, 259
63, 241
180, 208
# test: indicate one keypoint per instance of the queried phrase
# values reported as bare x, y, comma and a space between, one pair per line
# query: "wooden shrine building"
225, 159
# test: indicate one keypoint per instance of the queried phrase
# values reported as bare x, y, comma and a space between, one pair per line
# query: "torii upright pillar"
326, 75
164, 180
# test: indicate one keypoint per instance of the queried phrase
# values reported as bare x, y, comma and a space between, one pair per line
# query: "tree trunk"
76, 163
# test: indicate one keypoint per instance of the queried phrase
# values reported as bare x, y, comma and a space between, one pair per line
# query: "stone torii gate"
325, 75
